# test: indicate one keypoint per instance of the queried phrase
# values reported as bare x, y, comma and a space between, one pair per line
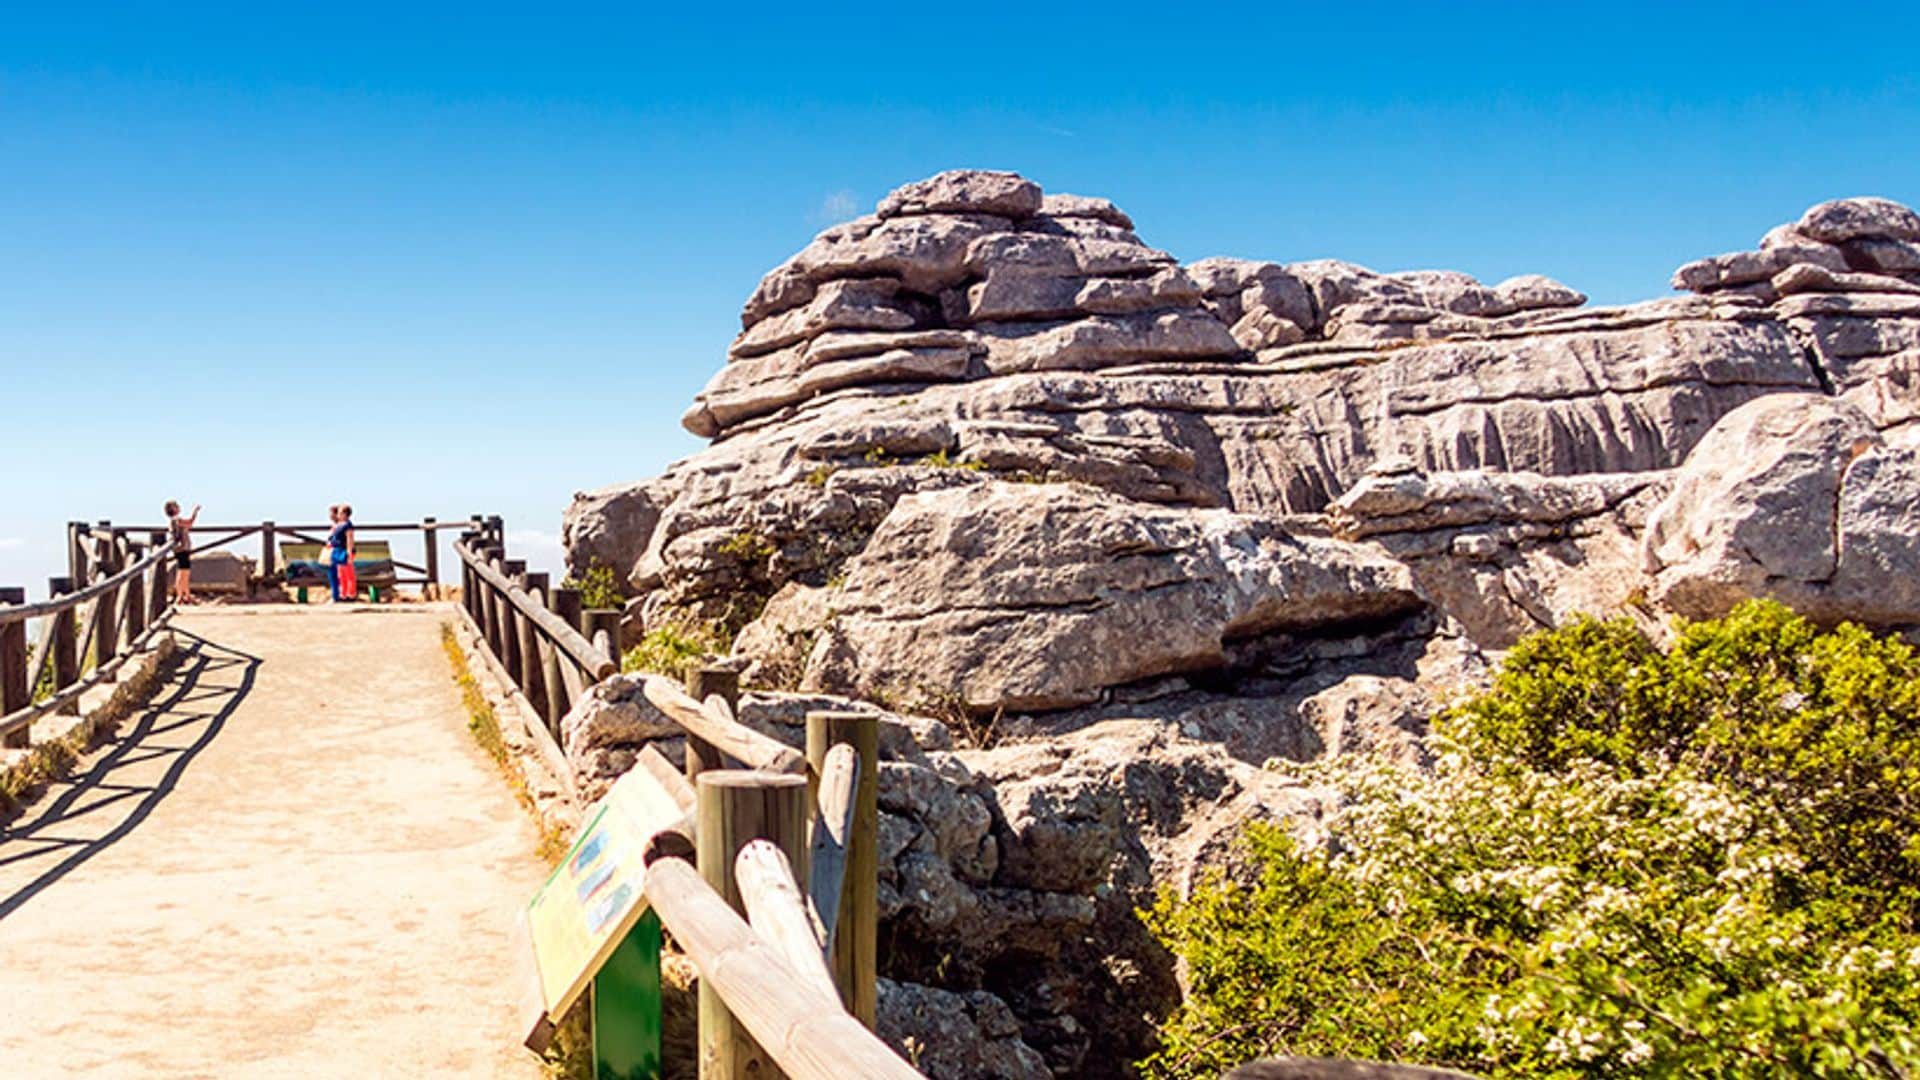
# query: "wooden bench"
307, 567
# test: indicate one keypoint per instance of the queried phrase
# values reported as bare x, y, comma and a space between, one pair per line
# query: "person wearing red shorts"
346, 585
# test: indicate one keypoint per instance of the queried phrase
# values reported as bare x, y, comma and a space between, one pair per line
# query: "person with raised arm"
180, 532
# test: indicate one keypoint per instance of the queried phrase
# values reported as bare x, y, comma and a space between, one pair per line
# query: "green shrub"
1624, 862
674, 651
747, 546
598, 589
940, 459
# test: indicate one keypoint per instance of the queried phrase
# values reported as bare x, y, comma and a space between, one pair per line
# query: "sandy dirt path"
295, 864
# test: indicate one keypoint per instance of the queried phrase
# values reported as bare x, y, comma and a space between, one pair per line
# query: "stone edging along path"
62, 741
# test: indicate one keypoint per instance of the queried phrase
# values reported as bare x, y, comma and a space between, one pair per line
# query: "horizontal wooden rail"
122, 613
595, 662
19, 612
407, 526
713, 721
22, 719
777, 911
798, 1023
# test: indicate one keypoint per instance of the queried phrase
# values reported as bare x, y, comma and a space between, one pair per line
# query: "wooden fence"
93, 620
764, 863
424, 574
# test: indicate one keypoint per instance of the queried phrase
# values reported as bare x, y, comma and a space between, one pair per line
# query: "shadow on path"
95, 809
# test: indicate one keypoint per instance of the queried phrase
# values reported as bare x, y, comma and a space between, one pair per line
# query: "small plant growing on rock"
747, 546
820, 475
939, 459
1703, 861
877, 455
675, 650
599, 588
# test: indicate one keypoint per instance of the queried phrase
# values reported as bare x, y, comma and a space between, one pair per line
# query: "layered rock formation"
1132, 528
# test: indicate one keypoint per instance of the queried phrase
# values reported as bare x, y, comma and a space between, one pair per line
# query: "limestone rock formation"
1799, 498
1133, 529
1039, 596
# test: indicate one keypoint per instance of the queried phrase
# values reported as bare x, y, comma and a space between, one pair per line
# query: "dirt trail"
297, 863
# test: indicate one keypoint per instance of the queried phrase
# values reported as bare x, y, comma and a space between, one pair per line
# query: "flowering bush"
1624, 861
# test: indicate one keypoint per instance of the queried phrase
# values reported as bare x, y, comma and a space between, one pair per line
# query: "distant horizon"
447, 260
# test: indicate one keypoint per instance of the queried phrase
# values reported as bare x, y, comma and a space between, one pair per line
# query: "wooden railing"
87, 631
547, 645
424, 574
763, 863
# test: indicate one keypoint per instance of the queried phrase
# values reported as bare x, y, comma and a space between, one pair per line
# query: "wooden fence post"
516, 573
735, 807
269, 551
494, 553
15, 693
64, 640
566, 604
468, 597
533, 669
136, 594
430, 529
557, 701
106, 613
703, 683
77, 553
159, 589
608, 620
856, 945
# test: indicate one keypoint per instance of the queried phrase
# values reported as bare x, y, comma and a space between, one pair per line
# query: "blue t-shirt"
337, 542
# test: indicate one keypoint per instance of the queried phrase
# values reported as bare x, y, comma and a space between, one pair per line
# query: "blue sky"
466, 258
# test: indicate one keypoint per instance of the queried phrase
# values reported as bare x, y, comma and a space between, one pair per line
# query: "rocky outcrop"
1133, 529
1508, 553
1796, 497
1039, 596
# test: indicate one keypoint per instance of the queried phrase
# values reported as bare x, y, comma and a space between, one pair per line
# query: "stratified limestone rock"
1509, 553
1023, 596
1859, 218
1798, 498
1133, 528
944, 347
966, 191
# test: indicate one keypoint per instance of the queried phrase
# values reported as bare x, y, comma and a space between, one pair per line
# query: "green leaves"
1625, 862
598, 589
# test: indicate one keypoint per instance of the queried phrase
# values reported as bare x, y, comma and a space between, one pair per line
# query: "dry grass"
484, 725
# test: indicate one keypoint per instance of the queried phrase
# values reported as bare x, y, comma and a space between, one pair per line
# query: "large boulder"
1798, 498
1034, 596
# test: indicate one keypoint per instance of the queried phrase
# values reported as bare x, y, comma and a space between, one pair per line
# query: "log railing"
549, 648
424, 574
86, 633
762, 860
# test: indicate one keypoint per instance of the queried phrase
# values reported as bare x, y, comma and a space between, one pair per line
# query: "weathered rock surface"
947, 1034
1038, 596
1132, 528
1796, 497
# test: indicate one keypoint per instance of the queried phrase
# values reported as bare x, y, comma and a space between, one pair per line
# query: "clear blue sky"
435, 260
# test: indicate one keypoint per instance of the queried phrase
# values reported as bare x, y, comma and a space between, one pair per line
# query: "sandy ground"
296, 864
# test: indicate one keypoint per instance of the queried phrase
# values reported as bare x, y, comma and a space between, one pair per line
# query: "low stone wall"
60, 740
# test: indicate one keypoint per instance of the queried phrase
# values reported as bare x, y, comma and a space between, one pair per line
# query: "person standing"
349, 577
340, 553
180, 530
